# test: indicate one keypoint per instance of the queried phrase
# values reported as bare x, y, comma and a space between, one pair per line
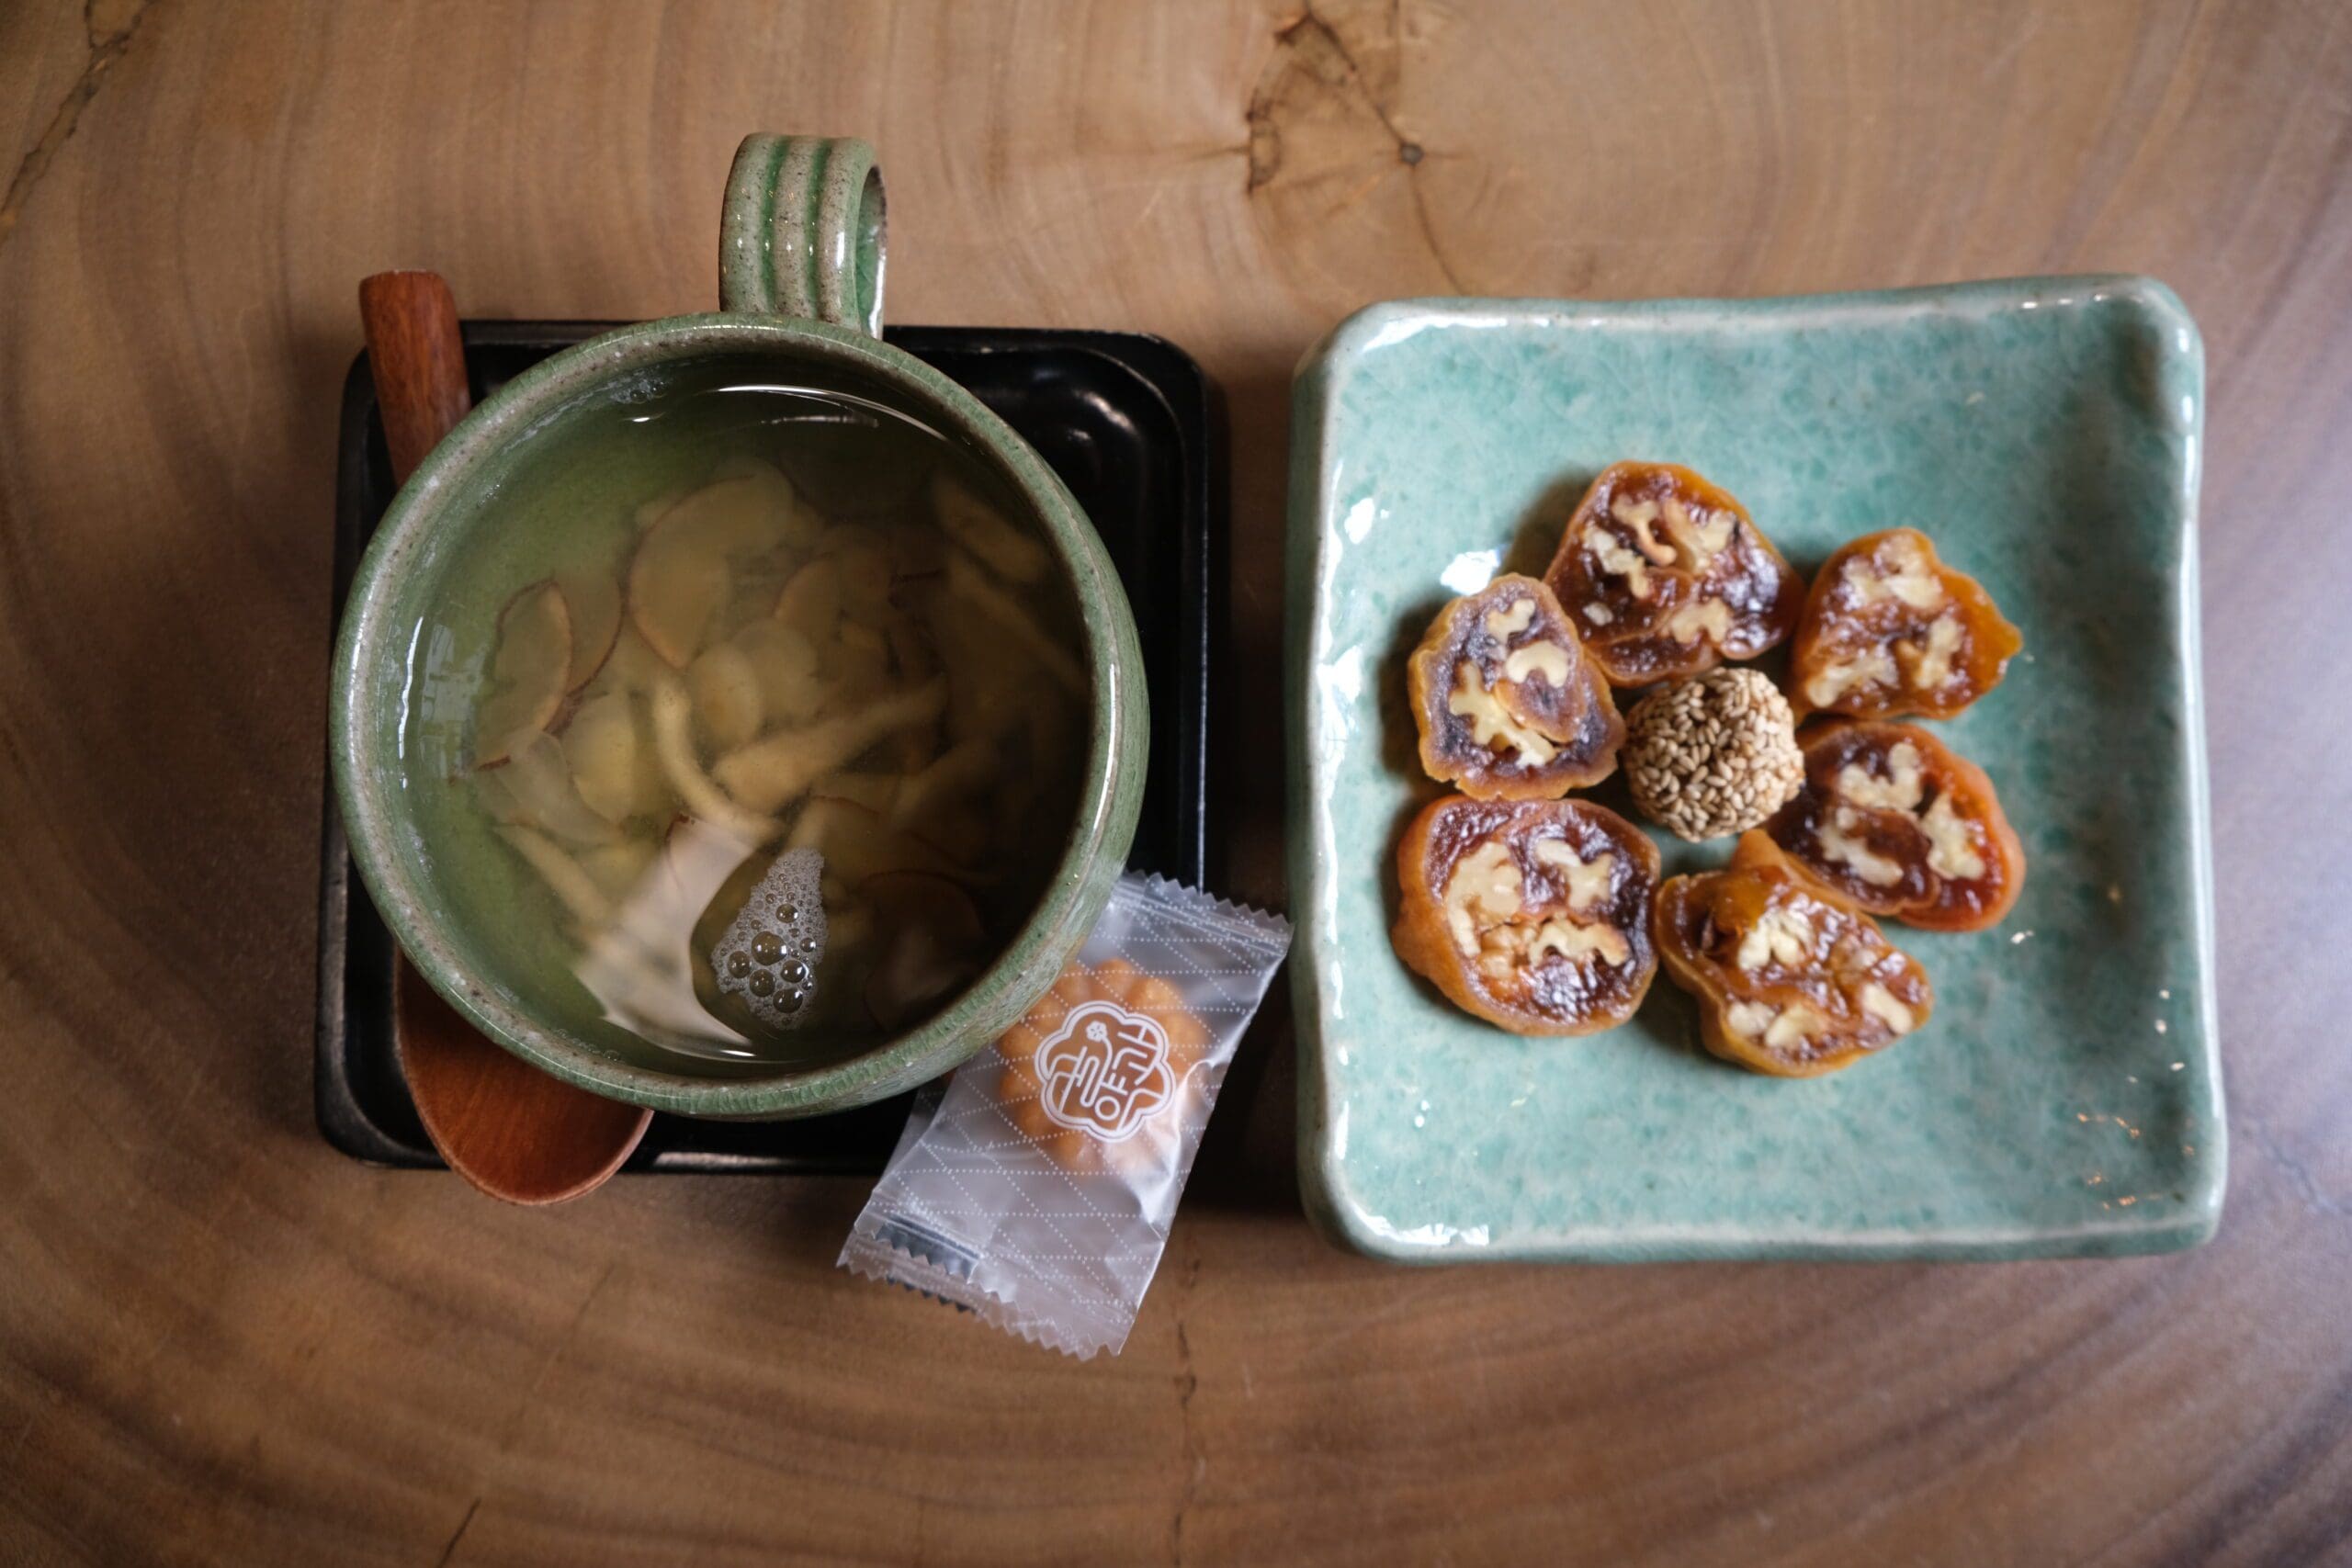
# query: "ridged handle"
802, 234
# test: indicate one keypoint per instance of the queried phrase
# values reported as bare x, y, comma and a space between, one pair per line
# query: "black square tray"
1131, 425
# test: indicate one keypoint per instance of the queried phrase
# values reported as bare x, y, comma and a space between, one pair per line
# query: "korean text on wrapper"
1040, 1192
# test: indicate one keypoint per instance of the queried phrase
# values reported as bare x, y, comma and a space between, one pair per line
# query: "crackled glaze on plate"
2067, 1097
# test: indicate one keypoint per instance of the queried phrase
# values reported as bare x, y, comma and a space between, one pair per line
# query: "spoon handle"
418, 360
506, 1127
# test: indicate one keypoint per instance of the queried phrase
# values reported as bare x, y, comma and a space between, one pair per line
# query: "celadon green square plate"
2067, 1097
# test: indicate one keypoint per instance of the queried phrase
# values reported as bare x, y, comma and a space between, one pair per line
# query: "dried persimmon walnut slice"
1534, 915
1789, 983
1099, 1072
1890, 629
1508, 704
1891, 821
1666, 575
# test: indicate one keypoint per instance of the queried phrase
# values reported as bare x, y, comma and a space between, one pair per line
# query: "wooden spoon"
502, 1123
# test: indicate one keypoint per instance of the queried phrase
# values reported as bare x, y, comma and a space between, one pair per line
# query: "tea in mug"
758, 711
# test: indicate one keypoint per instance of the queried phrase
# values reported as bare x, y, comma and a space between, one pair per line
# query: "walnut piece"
1899, 790
1512, 621
1779, 936
1839, 845
1874, 666
1616, 561
1641, 516
1490, 721
1482, 892
1537, 660
1881, 1004
1952, 841
1928, 668
1587, 881
1706, 620
1900, 571
1508, 947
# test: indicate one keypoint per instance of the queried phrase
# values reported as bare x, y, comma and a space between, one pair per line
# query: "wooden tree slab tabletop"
221, 1342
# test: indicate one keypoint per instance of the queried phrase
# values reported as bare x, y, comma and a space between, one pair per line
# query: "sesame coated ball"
1714, 754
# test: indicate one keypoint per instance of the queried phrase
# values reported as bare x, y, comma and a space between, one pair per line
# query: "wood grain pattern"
219, 1342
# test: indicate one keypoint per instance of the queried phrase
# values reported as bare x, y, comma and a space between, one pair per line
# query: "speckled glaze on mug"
2066, 1095
800, 281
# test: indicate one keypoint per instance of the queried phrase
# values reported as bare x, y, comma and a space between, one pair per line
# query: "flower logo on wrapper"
1104, 1071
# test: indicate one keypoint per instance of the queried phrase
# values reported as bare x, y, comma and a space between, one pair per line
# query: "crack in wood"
1429, 230
105, 21
529, 1402
2299, 1175
1312, 60
108, 28
1188, 1382
463, 1525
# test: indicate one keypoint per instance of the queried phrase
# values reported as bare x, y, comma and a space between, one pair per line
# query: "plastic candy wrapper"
1039, 1193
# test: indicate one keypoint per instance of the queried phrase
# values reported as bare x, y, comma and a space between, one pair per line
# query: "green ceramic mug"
800, 286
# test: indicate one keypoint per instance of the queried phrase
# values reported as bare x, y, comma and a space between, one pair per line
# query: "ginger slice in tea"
686, 565
593, 596
608, 748
530, 671
984, 532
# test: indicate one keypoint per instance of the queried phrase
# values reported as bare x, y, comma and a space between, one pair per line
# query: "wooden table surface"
222, 1342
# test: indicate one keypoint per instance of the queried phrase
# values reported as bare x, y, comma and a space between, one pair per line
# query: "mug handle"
801, 230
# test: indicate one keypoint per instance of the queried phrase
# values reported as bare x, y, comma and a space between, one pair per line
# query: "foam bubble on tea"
773, 950
757, 714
